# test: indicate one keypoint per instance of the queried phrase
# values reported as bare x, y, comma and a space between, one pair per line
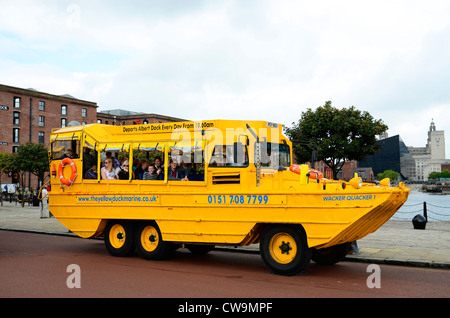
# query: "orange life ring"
314, 174
67, 161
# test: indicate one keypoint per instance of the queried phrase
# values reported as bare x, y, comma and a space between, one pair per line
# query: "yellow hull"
187, 214
239, 192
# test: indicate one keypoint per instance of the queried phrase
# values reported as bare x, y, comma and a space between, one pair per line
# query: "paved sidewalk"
396, 242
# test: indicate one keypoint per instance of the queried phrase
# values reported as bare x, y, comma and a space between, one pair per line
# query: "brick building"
125, 117
27, 115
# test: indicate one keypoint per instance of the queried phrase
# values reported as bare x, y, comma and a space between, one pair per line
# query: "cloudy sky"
241, 59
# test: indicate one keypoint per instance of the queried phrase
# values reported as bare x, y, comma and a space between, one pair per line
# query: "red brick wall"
51, 113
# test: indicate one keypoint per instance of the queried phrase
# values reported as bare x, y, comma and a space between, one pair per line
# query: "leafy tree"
434, 175
34, 159
437, 175
29, 157
335, 135
391, 174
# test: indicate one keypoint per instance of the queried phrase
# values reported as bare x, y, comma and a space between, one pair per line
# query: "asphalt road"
38, 265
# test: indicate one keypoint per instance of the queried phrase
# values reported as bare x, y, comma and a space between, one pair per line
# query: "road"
37, 265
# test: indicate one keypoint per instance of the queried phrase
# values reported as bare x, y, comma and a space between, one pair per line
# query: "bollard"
419, 222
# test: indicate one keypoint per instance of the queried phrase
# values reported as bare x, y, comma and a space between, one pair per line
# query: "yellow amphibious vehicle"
217, 182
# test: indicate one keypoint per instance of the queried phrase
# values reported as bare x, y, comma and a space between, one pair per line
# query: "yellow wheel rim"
149, 238
117, 236
283, 248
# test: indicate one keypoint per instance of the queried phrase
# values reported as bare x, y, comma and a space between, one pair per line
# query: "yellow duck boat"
217, 182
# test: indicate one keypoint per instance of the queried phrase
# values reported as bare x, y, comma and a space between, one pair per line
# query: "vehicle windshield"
274, 155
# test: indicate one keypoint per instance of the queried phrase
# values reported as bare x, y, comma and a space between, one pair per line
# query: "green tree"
391, 174
34, 159
335, 135
30, 157
434, 175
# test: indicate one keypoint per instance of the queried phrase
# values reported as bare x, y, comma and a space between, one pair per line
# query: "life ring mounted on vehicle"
314, 174
73, 175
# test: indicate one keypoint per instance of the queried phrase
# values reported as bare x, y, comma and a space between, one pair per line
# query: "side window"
115, 162
148, 161
186, 162
63, 148
235, 155
90, 161
274, 155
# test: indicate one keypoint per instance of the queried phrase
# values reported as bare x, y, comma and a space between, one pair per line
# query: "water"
438, 206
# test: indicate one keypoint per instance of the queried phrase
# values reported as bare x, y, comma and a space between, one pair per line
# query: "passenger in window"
108, 172
158, 165
174, 172
116, 162
185, 168
142, 169
91, 173
136, 165
124, 173
68, 154
151, 173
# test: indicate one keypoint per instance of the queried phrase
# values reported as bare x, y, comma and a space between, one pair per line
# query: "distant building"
125, 117
430, 158
27, 115
394, 155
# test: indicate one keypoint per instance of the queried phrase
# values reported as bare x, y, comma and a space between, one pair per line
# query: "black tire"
149, 242
119, 238
199, 248
284, 249
330, 255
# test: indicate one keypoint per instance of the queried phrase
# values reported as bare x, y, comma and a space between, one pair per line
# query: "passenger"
68, 154
158, 165
115, 161
151, 174
136, 164
124, 172
108, 171
174, 172
142, 169
91, 173
185, 169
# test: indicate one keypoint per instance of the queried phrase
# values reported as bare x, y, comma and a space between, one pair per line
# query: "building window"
16, 102
99, 121
83, 123
64, 110
41, 105
16, 134
41, 137
83, 112
15, 149
63, 122
16, 118
41, 121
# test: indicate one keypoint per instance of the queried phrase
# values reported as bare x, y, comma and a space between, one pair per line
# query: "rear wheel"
119, 238
330, 255
149, 242
284, 249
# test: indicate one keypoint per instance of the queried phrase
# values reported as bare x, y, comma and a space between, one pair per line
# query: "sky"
238, 59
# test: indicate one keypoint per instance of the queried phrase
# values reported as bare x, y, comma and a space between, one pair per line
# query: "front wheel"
284, 249
149, 242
